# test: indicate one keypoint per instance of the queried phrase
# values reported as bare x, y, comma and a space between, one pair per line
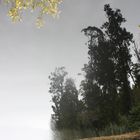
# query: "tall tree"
100, 75
108, 68
120, 39
69, 105
64, 98
57, 79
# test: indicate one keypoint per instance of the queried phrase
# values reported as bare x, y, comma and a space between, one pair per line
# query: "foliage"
120, 39
107, 97
44, 6
136, 73
56, 89
137, 51
106, 88
69, 105
65, 99
136, 92
134, 118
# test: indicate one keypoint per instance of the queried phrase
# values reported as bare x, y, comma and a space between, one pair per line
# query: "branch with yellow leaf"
17, 7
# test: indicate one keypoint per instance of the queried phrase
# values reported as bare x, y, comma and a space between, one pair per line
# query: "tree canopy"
65, 99
44, 7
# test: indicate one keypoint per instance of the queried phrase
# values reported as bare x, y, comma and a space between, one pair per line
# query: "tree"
100, 77
109, 68
134, 118
120, 39
137, 52
91, 99
136, 73
136, 66
45, 7
57, 79
69, 105
65, 99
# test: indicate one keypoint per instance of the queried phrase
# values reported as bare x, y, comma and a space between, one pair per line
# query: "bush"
134, 118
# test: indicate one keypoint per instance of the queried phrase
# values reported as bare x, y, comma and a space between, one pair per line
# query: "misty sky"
28, 55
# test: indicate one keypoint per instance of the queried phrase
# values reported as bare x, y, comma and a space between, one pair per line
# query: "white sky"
28, 55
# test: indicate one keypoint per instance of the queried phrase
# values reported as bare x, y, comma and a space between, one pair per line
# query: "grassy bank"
127, 136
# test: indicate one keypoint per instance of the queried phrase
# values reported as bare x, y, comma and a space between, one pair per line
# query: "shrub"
134, 118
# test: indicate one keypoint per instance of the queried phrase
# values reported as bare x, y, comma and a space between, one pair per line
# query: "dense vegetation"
110, 92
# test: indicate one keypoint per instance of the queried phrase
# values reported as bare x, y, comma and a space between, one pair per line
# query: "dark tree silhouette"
109, 68
120, 40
